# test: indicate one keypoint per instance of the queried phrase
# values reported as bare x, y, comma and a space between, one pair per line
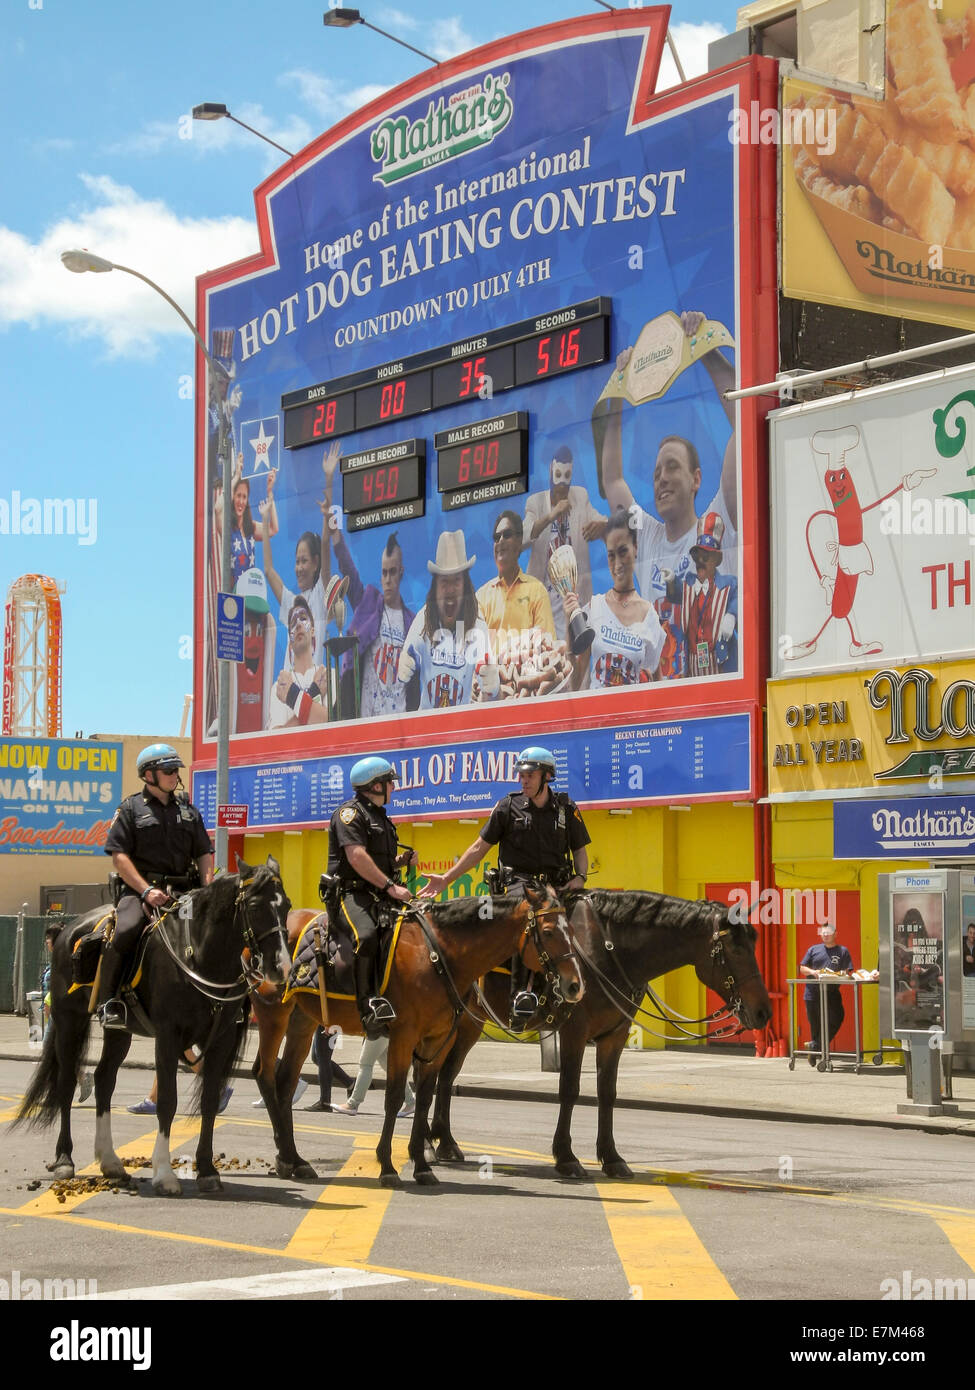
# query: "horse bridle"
251, 959
533, 930
731, 984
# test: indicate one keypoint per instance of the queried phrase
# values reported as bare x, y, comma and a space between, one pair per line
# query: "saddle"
339, 957
86, 950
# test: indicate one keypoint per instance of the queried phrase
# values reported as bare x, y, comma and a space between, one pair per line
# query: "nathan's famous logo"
464, 122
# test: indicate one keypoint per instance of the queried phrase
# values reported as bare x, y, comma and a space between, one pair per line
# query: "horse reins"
251, 976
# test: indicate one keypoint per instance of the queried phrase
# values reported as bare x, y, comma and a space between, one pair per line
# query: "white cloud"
441, 38
203, 138
125, 315
329, 99
691, 42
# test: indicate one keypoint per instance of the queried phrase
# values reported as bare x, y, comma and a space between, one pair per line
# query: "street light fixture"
216, 111
79, 262
345, 18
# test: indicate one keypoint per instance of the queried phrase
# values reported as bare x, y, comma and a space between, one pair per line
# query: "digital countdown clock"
519, 354
483, 461
383, 486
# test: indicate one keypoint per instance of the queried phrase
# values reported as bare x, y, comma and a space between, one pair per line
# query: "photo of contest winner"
666, 537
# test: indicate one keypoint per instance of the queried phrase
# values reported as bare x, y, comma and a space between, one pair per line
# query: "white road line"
287, 1285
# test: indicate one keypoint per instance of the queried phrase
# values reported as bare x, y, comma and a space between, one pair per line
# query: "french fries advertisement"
879, 195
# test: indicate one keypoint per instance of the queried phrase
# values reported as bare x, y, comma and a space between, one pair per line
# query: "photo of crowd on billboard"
616, 568
918, 960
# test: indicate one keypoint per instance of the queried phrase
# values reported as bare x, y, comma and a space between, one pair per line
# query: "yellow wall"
653, 848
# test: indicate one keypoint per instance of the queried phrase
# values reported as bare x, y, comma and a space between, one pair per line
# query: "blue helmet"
369, 770
536, 758
158, 755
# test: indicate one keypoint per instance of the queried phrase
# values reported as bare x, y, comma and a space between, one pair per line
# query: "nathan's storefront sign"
873, 527
912, 727
57, 797
877, 194
905, 828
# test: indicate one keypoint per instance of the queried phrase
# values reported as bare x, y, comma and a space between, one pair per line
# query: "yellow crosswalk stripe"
661, 1253
345, 1220
961, 1233
48, 1203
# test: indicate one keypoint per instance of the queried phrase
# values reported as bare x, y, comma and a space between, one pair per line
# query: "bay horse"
442, 948
202, 959
624, 940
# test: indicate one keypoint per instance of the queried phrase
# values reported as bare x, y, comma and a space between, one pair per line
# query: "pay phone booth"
927, 975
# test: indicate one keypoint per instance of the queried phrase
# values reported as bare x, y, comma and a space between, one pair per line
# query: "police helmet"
158, 757
535, 759
369, 770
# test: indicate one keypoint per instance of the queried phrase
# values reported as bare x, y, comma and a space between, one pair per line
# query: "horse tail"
40, 1104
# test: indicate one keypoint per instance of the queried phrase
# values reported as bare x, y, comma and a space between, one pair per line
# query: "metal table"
854, 1060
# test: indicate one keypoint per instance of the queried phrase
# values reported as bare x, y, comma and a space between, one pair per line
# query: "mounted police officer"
540, 835
159, 847
362, 855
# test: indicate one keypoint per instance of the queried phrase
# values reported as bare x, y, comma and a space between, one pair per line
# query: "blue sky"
96, 371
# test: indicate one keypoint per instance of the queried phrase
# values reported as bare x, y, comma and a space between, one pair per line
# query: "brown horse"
623, 940
442, 948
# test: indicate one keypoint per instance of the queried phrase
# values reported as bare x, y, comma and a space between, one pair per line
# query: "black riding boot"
375, 1010
523, 1002
113, 1013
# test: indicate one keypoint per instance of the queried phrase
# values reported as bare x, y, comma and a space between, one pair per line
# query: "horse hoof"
571, 1169
62, 1168
426, 1179
618, 1168
284, 1170
167, 1186
304, 1172
210, 1182
390, 1180
114, 1170
449, 1153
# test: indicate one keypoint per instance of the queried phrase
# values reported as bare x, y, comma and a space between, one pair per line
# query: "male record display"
495, 280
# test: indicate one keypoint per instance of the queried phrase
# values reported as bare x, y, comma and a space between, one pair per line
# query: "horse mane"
621, 908
463, 912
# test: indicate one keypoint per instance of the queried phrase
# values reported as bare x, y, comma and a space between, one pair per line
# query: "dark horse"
200, 962
623, 940
441, 950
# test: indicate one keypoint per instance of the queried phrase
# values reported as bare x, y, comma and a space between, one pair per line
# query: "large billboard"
873, 527
484, 473
877, 191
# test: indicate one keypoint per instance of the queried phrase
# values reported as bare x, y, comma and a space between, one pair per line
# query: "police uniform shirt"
533, 839
822, 957
159, 839
359, 822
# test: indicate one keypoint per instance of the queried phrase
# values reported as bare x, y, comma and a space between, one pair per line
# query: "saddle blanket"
339, 957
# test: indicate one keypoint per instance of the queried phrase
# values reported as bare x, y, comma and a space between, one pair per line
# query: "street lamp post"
79, 262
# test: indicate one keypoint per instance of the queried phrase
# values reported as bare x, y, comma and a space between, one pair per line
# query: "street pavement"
692, 1081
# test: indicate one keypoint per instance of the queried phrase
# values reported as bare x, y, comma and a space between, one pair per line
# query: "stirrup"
114, 1014
524, 1004
381, 1009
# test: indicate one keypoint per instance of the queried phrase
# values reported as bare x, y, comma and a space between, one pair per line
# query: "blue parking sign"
230, 627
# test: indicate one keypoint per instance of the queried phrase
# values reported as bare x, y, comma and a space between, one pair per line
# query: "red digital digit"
316, 428
465, 379
367, 487
386, 401
493, 452
380, 484
543, 362
392, 482
569, 348
464, 465
330, 417
399, 396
